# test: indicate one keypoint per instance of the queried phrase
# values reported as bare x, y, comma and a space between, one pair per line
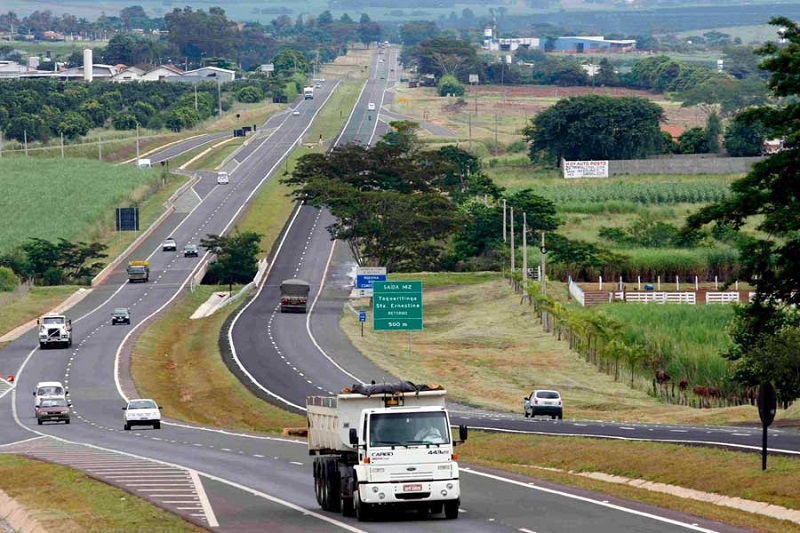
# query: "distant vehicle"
371, 106
144, 163
169, 245
223, 178
190, 250
121, 315
317, 86
380, 60
138, 271
142, 413
48, 390
544, 402
308, 93
53, 410
294, 295
54, 329
296, 112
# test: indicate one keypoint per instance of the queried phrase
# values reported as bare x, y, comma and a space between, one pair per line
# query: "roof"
294, 281
675, 131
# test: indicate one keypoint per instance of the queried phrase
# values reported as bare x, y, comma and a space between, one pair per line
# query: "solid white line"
693, 527
201, 494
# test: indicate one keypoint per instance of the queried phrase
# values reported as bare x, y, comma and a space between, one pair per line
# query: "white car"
223, 178
544, 402
169, 245
142, 412
371, 106
46, 390
296, 112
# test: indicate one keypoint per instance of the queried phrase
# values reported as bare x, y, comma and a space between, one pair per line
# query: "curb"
17, 517
76, 297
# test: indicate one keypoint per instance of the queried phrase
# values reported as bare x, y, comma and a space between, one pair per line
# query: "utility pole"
543, 251
62, 145
219, 96
137, 131
504, 221
25, 137
512, 242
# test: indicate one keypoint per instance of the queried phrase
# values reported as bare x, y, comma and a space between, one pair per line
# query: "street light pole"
219, 96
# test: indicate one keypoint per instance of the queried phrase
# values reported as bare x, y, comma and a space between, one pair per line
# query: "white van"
48, 390
371, 106
222, 178
143, 163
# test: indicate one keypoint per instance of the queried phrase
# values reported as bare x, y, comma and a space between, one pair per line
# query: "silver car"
544, 402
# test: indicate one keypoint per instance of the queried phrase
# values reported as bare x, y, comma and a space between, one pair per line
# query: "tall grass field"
63, 198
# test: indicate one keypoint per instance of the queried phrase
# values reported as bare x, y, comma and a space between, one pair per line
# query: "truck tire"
324, 486
41, 346
363, 510
451, 509
333, 485
318, 481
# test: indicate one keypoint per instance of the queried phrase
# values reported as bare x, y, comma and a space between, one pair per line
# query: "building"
126, 74
161, 73
214, 74
580, 45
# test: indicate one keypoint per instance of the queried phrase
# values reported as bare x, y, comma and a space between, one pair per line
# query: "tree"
73, 125
236, 257
449, 85
743, 138
443, 55
596, 127
413, 33
713, 131
693, 141
768, 196
368, 31
63, 261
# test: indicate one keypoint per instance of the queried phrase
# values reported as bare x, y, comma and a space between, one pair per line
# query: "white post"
601, 284
638, 283
737, 285
677, 285
696, 284
716, 283
658, 281
524, 252
620, 283
512, 241
504, 221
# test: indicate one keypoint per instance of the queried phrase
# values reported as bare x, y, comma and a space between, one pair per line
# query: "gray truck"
294, 295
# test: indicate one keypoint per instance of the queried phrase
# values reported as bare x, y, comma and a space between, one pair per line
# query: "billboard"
585, 169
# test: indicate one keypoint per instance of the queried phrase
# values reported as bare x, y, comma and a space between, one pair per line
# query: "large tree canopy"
769, 197
596, 127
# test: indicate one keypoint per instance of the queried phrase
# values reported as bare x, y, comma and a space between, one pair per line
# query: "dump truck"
138, 271
294, 295
379, 447
308, 93
54, 330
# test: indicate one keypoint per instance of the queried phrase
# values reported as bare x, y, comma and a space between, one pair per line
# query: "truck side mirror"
353, 436
462, 432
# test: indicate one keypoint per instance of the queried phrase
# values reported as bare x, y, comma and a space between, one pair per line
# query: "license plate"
412, 488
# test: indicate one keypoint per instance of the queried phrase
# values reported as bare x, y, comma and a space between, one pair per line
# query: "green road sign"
397, 305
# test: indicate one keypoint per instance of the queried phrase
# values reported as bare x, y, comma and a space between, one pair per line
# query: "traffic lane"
741, 439
187, 145
530, 504
324, 321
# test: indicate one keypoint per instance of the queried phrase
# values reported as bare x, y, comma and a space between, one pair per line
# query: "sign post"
362, 317
767, 405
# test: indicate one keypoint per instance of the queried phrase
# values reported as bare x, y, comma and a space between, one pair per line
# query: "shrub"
8, 279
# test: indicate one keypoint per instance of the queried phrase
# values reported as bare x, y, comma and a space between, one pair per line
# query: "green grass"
53, 199
66, 500
25, 304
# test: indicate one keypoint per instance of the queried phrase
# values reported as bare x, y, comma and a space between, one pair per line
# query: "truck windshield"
53, 320
408, 429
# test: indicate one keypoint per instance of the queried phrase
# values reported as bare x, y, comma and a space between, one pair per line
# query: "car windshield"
548, 395
57, 402
51, 390
142, 404
53, 320
122, 312
405, 429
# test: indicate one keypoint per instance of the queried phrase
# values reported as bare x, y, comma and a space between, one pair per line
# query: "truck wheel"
323, 481
333, 489
41, 346
363, 510
317, 482
39, 421
127, 427
451, 509
66, 421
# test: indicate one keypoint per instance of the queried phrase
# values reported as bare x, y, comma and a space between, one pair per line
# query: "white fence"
657, 297
576, 292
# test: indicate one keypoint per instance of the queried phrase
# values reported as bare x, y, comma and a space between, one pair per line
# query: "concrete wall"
683, 164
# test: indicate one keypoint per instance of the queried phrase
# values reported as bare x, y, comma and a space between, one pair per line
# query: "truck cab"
308, 93
138, 271
54, 330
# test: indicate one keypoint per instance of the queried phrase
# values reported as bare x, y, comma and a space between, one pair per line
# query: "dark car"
121, 315
190, 250
53, 410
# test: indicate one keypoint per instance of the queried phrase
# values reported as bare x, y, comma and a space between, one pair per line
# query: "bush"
250, 95
450, 85
8, 280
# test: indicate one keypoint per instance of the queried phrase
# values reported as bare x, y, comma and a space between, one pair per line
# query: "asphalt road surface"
236, 482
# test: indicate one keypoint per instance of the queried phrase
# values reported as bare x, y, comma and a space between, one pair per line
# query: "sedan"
121, 315
142, 413
169, 245
53, 410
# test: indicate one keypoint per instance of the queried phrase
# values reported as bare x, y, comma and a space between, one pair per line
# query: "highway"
236, 482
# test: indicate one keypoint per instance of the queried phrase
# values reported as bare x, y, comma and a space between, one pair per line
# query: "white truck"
54, 330
384, 446
308, 93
